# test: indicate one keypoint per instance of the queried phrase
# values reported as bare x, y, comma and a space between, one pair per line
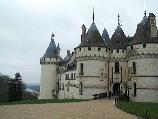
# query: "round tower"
143, 62
49, 66
92, 66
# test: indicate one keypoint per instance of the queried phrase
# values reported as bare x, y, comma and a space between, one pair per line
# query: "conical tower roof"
142, 34
105, 36
118, 39
93, 37
51, 51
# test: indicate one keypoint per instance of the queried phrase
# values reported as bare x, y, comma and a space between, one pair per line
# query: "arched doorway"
116, 89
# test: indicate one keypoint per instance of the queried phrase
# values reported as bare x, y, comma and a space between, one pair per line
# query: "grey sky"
26, 26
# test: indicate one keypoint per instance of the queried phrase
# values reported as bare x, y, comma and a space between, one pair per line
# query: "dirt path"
100, 109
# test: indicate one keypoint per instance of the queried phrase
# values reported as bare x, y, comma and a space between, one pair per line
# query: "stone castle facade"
101, 64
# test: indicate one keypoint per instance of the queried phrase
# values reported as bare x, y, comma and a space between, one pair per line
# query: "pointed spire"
119, 20
145, 19
93, 14
105, 35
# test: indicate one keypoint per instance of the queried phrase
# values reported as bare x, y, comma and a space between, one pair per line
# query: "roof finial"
119, 20
145, 12
52, 36
93, 14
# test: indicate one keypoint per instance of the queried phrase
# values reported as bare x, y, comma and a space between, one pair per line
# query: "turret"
105, 36
83, 32
58, 50
152, 22
49, 66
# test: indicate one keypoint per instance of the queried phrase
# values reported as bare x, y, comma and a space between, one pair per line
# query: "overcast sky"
26, 27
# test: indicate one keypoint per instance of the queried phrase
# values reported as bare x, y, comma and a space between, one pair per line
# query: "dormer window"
144, 45
89, 48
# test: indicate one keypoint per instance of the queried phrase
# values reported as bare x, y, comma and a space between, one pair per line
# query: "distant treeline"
11, 89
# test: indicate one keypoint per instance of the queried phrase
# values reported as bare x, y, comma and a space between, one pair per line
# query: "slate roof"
105, 36
118, 39
142, 34
68, 56
92, 38
51, 51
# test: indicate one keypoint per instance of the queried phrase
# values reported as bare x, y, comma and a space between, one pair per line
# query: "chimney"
68, 53
153, 27
83, 32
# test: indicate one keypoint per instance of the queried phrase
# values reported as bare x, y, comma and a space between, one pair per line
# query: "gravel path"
98, 109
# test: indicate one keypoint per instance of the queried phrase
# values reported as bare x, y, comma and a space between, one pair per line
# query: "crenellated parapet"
49, 60
142, 56
94, 57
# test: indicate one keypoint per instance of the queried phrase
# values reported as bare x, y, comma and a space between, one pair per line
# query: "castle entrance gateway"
116, 89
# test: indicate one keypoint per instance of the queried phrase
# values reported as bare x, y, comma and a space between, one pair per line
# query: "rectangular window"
117, 51
68, 86
131, 47
135, 90
99, 49
81, 89
81, 68
63, 86
71, 75
116, 67
74, 76
134, 67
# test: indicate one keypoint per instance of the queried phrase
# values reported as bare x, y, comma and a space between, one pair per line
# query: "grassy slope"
41, 101
139, 108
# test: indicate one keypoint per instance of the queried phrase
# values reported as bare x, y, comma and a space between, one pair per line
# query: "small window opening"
144, 45
89, 48
99, 49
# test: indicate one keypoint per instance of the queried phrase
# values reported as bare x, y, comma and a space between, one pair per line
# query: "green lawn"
140, 108
41, 101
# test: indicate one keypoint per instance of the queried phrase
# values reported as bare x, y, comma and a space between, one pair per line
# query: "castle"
100, 64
